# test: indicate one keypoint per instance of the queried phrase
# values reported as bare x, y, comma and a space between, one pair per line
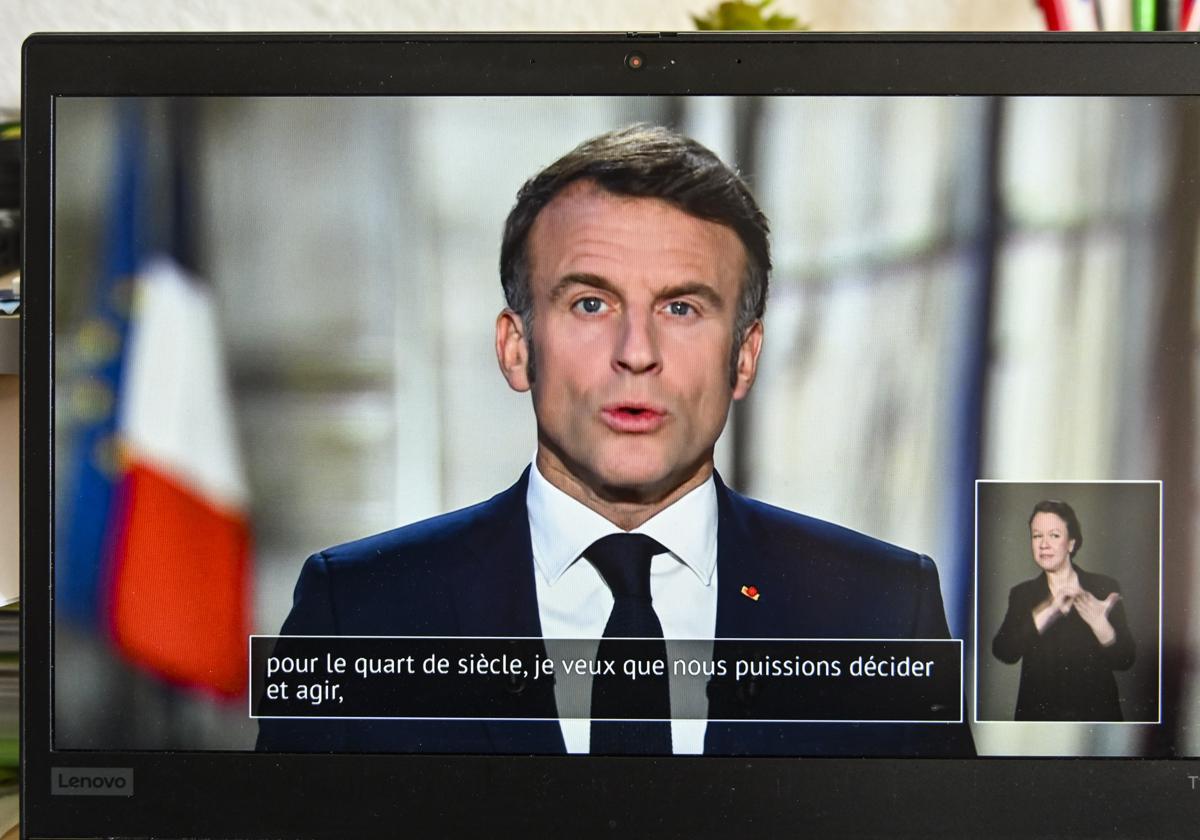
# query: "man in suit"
635, 270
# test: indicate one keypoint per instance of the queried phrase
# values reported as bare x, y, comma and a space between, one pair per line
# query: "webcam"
635, 61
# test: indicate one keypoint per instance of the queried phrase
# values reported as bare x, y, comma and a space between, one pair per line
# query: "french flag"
179, 533
154, 548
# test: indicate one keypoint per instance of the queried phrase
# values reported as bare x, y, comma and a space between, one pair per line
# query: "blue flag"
87, 406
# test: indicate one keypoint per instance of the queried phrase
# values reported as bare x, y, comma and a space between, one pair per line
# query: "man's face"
634, 304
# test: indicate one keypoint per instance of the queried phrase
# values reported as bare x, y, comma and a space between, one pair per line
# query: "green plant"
743, 15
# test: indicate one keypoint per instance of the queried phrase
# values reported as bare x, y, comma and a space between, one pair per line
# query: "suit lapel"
742, 561
494, 591
495, 595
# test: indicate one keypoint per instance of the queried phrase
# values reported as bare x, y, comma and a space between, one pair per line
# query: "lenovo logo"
91, 781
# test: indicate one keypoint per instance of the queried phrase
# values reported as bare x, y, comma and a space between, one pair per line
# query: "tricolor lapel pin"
750, 592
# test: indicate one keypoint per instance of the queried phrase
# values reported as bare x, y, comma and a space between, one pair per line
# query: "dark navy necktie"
623, 560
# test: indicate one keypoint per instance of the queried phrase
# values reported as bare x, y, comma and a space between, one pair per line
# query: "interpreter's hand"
1065, 598
1058, 605
1095, 612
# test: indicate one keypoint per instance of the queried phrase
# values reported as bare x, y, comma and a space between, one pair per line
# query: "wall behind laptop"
20, 18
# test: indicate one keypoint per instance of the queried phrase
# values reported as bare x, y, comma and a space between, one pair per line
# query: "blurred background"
965, 288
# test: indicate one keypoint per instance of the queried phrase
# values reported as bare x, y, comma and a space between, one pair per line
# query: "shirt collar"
561, 528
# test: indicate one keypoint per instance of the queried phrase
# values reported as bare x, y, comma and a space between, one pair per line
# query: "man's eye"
680, 307
590, 305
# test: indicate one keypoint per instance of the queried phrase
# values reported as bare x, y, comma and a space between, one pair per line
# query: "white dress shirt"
574, 602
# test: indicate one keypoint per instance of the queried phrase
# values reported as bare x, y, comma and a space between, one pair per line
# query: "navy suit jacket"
471, 573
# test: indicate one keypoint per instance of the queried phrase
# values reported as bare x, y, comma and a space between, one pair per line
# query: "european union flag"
88, 412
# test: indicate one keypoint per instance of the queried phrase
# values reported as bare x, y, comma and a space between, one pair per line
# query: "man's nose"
637, 348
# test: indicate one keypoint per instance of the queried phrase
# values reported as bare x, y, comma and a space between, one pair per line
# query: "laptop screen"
763, 423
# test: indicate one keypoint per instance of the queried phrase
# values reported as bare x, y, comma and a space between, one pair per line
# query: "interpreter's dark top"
1066, 674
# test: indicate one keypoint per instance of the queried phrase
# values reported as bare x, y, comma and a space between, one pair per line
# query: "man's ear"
512, 350
747, 360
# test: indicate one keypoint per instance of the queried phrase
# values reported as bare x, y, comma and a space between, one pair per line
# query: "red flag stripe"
179, 601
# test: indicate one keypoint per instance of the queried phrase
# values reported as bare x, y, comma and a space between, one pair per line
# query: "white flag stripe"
175, 411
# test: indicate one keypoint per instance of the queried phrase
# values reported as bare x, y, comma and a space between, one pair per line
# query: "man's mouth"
634, 418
